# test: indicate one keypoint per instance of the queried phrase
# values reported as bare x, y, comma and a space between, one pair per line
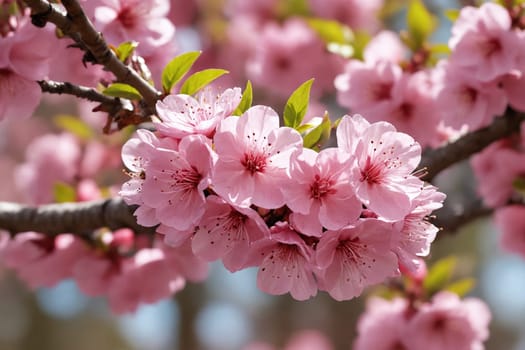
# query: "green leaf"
440, 49
421, 23
439, 274
452, 14
297, 105
125, 50
200, 79
461, 287
63, 192
74, 125
123, 91
177, 68
331, 31
315, 138
361, 39
246, 100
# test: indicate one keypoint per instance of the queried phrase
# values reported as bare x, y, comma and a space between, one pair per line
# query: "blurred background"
228, 312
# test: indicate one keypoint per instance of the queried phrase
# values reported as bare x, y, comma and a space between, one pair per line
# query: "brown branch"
452, 217
437, 160
55, 87
76, 218
78, 26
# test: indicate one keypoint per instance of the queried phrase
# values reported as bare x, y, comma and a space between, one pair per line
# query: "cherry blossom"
483, 43
226, 232
42, 261
383, 317
355, 257
385, 160
183, 115
448, 322
175, 181
253, 155
417, 233
320, 193
511, 223
285, 263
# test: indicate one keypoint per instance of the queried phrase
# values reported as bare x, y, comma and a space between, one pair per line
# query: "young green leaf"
74, 125
246, 100
315, 138
439, 274
177, 68
123, 91
452, 14
125, 50
461, 287
421, 23
63, 192
200, 79
297, 105
331, 31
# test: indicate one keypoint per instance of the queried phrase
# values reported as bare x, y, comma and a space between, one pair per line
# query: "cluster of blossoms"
500, 172
446, 322
126, 268
30, 54
463, 92
244, 190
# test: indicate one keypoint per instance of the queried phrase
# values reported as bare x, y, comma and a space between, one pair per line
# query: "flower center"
254, 163
371, 172
321, 187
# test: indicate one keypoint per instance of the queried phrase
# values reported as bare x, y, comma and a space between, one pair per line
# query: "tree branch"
76, 218
452, 217
437, 160
55, 87
77, 26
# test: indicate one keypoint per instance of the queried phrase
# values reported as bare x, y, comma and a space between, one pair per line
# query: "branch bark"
115, 213
77, 26
55, 87
76, 218
436, 160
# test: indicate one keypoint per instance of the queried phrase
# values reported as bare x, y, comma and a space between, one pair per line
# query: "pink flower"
279, 56
320, 192
183, 115
94, 273
385, 159
140, 20
382, 325
175, 181
464, 100
483, 43
355, 257
185, 262
449, 323
414, 108
145, 278
417, 233
50, 159
42, 261
226, 233
253, 155
285, 263
496, 168
25, 57
511, 223
366, 87
385, 46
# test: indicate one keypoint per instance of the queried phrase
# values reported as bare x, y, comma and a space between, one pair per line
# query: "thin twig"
78, 26
55, 87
